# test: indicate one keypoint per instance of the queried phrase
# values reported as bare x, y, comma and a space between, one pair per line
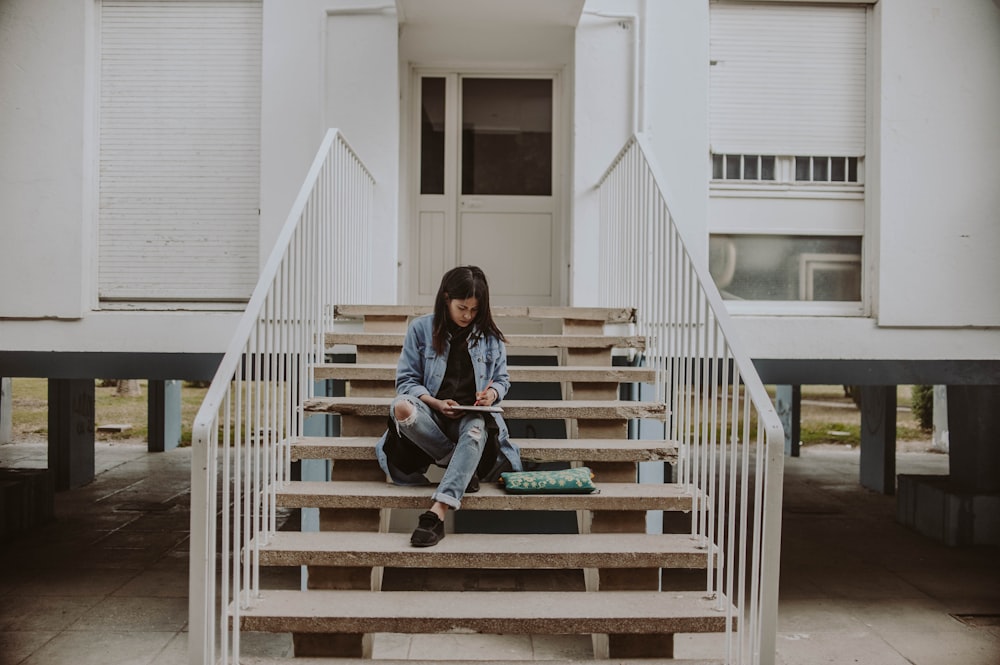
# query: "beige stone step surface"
538, 450
604, 314
581, 409
478, 550
475, 661
364, 494
519, 373
395, 340
525, 612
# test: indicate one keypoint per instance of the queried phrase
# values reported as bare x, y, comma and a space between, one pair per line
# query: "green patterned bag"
561, 481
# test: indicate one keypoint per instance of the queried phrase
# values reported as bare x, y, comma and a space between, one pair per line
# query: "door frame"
409, 248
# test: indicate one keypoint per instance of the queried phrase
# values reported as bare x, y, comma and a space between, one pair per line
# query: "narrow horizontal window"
826, 169
743, 167
801, 168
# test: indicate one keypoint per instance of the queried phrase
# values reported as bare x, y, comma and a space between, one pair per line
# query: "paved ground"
107, 582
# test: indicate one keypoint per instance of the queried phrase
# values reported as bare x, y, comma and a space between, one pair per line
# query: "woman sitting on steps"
453, 357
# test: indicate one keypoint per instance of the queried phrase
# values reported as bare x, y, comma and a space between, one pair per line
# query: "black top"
459, 381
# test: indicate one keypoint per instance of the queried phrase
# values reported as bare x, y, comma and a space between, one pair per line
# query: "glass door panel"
506, 137
432, 134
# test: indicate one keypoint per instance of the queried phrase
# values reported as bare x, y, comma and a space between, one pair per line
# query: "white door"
485, 190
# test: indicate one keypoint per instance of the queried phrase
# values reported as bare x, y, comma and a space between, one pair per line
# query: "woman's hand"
487, 397
443, 406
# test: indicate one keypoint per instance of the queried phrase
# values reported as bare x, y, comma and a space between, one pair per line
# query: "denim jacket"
421, 370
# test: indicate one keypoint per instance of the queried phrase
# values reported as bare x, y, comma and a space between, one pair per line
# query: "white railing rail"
240, 438
730, 437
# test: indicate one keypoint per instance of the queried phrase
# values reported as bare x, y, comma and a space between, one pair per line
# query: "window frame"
725, 193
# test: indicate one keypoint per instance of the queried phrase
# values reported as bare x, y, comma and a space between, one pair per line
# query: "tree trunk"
128, 388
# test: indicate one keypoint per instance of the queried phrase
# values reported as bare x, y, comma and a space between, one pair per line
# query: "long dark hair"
462, 283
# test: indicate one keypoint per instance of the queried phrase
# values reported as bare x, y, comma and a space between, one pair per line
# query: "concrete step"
537, 450
370, 494
395, 341
261, 660
525, 409
478, 550
526, 612
603, 314
520, 373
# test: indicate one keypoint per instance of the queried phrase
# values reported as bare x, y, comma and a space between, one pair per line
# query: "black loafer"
429, 531
473, 485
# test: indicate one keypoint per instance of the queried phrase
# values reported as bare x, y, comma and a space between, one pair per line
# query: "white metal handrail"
241, 453
730, 437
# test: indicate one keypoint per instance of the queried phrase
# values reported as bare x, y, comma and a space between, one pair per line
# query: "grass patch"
828, 416
30, 412
830, 432
813, 432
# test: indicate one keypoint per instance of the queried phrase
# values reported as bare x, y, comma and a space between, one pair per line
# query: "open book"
482, 409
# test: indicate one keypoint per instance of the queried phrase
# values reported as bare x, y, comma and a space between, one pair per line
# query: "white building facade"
152, 150
830, 162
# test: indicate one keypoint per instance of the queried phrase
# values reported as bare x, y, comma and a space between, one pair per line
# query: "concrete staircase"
603, 579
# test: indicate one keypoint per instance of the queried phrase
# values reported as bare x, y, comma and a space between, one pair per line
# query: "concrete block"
27, 500
936, 507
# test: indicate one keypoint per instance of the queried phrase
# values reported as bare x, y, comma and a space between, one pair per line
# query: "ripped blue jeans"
455, 443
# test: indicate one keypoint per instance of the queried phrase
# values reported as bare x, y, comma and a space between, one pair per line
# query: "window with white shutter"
788, 79
787, 126
179, 150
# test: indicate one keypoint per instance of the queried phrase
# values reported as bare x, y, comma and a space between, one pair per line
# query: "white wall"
934, 223
48, 176
123, 332
860, 338
314, 55
932, 183
933, 227
47, 181
606, 103
664, 45
933, 201
484, 45
45, 236
939, 137
675, 117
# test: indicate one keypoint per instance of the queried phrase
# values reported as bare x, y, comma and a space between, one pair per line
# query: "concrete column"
6, 405
940, 437
974, 427
164, 414
878, 438
788, 403
963, 508
71, 432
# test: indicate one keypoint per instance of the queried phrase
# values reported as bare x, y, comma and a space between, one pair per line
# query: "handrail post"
680, 301
264, 376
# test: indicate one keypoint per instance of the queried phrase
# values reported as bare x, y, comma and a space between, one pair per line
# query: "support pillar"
878, 438
164, 414
962, 508
6, 405
974, 438
71, 432
788, 402
939, 440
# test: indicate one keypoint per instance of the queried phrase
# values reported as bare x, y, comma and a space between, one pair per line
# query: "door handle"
472, 203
